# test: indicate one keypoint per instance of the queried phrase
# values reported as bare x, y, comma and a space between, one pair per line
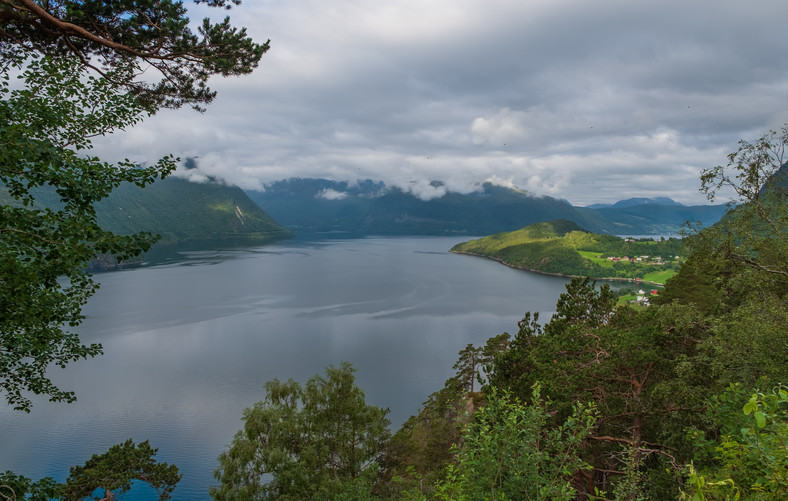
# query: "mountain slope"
561, 247
655, 219
180, 210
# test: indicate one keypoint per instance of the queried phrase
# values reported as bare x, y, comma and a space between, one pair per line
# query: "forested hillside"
180, 210
561, 247
685, 399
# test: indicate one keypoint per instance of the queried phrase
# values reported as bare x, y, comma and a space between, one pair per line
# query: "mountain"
650, 219
320, 206
310, 206
180, 210
778, 182
631, 202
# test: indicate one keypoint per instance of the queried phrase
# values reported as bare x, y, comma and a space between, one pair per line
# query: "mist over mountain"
321, 206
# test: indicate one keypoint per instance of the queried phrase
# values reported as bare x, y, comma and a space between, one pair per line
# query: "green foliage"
467, 366
530, 233
560, 247
305, 442
508, 451
749, 342
746, 252
720, 320
111, 473
749, 459
180, 210
638, 368
582, 305
121, 39
44, 250
78, 66
420, 450
16, 487
116, 469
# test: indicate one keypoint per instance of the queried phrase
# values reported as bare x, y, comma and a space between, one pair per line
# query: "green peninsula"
563, 248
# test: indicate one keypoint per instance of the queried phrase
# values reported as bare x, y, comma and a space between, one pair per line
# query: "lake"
189, 342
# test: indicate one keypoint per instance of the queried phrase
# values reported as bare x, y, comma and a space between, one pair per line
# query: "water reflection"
190, 340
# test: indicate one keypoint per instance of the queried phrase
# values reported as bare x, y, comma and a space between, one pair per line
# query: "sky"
591, 102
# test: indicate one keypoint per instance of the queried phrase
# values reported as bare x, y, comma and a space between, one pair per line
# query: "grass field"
659, 276
592, 256
628, 301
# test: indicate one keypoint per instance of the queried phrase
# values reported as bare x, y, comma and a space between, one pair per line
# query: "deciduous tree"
509, 451
636, 367
48, 228
748, 457
315, 441
80, 66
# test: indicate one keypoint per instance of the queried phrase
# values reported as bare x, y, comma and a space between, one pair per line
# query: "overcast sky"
591, 101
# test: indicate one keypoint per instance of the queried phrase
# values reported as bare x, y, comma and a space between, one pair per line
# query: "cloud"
329, 194
426, 190
506, 125
588, 101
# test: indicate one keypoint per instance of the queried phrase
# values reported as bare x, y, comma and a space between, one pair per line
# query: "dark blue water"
189, 343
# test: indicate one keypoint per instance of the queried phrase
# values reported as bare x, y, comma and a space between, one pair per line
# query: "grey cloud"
588, 101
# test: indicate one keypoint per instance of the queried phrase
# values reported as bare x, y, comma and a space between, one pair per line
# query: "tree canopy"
79, 74
690, 391
122, 39
315, 441
45, 249
102, 477
79, 68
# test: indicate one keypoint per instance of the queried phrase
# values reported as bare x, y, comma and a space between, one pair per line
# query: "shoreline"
564, 275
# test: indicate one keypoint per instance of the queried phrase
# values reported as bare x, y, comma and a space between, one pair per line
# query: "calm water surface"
189, 343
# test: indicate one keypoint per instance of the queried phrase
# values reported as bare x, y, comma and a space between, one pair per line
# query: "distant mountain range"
631, 202
181, 210
320, 206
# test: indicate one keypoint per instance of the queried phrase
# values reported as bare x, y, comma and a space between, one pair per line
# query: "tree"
418, 453
748, 457
114, 471
15, 487
637, 367
466, 366
48, 228
122, 39
649, 371
509, 451
80, 64
105, 475
315, 441
752, 239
